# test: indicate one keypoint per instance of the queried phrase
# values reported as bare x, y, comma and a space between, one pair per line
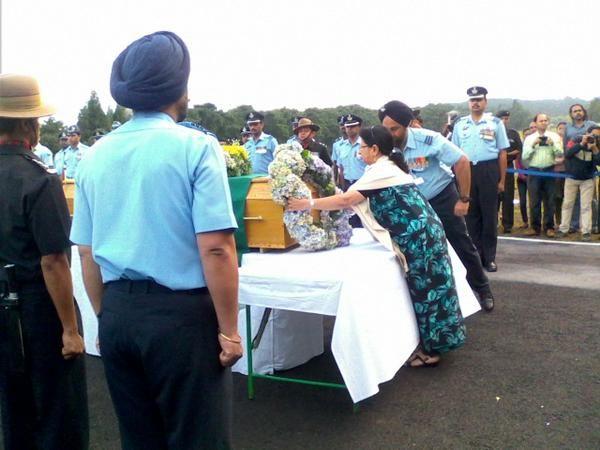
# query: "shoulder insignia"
428, 139
41, 164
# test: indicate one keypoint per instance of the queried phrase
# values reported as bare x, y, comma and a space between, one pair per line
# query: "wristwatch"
465, 199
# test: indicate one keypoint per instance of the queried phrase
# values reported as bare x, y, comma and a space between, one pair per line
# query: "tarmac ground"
528, 376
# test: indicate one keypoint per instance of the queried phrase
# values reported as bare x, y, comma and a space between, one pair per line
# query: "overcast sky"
298, 54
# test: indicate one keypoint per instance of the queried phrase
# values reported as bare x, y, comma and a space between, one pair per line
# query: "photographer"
581, 158
540, 151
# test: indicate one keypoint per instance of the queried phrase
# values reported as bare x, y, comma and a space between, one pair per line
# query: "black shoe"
507, 230
491, 267
487, 302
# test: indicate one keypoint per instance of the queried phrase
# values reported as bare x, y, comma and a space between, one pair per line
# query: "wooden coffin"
264, 218
69, 190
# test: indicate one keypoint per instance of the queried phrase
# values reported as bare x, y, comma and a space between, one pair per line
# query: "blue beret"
151, 72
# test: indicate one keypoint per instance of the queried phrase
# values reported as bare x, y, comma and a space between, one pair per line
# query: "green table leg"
249, 353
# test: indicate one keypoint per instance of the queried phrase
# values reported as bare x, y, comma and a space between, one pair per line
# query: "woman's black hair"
380, 136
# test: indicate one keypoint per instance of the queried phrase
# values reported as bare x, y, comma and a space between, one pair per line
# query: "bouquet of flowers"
291, 169
237, 161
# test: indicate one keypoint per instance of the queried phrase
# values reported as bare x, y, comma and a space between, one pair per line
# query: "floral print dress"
414, 226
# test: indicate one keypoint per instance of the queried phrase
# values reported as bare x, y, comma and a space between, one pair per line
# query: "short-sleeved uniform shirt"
347, 155
143, 193
45, 155
67, 160
481, 141
261, 152
34, 218
429, 157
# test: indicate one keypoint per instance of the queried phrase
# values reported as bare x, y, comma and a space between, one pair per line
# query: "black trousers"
161, 356
456, 233
507, 199
354, 220
482, 219
44, 408
522, 186
541, 192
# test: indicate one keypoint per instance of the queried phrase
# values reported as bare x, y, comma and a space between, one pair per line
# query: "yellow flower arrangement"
237, 160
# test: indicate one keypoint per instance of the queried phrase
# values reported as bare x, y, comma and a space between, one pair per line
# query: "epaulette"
40, 164
424, 136
340, 138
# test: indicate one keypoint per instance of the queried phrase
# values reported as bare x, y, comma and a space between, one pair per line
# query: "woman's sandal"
420, 359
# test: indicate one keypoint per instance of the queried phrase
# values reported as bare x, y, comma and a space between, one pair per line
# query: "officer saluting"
44, 400
158, 257
483, 138
429, 156
261, 145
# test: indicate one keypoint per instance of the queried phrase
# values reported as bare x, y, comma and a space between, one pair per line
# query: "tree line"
227, 124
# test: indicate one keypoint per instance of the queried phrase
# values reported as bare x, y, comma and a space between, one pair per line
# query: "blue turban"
151, 72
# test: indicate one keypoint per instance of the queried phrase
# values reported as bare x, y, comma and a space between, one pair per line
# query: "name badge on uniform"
487, 134
261, 150
418, 180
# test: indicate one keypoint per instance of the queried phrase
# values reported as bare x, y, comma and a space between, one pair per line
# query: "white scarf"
381, 174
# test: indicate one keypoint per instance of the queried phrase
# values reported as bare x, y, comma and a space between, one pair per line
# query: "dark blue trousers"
482, 219
541, 192
458, 236
161, 356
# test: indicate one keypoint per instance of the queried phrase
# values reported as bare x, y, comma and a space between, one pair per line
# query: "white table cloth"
90, 322
375, 329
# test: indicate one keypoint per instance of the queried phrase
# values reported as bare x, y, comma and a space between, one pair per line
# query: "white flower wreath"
289, 171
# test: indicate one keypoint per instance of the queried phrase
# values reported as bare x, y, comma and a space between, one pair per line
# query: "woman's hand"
298, 204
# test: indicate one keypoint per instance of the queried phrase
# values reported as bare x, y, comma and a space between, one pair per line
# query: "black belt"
149, 287
350, 181
542, 169
475, 163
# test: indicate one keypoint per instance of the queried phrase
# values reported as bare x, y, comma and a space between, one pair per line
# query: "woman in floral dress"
393, 209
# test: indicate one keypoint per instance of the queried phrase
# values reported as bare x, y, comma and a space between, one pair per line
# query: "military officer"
63, 140
245, 134
347, 157
261, 145
336, 150
43, 395
305, 134
294, 124
483, 138
45, 154
429, 157
67, 159
159, 259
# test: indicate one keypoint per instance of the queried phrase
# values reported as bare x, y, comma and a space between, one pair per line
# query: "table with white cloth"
375, 330
88, 317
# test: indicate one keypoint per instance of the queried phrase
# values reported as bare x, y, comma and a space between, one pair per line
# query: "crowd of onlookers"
557, 171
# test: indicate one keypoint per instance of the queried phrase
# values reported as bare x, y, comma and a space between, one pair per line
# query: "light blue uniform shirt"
429, 157
143, 193
68, 159
481, 141
346, 154
335, 148
292, 139
261, 152
44, 153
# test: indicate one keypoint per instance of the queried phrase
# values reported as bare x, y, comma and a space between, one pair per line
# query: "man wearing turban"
154, 225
